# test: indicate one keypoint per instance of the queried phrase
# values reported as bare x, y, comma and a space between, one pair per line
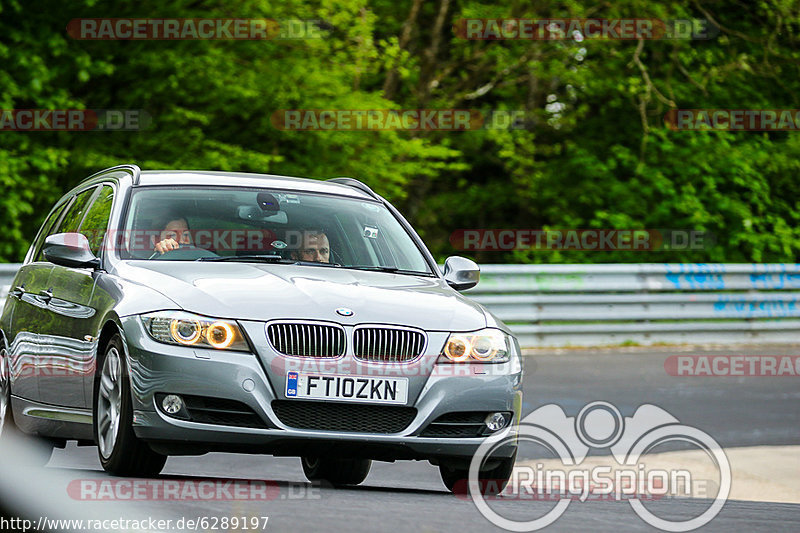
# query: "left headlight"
484, 346
186, 329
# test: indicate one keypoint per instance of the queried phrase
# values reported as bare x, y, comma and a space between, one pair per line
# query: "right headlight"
485, 346
186, 329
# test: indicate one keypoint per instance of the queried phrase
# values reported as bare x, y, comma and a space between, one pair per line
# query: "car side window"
51, 221
95, 223
72, 220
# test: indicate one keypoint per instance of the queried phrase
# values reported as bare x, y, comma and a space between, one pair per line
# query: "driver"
175, 234
314, 247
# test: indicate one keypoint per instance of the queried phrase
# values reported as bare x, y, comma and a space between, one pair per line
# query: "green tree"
595, 152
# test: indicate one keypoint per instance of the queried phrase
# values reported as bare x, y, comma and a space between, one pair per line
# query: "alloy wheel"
5, 389
109, 403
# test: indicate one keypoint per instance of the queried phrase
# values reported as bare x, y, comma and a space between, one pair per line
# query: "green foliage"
596, 152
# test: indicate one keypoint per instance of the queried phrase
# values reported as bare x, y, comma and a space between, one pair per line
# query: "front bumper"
242, 377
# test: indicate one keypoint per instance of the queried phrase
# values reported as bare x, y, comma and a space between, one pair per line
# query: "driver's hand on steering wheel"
166, 245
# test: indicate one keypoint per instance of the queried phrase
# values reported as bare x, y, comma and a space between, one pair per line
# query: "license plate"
347, 388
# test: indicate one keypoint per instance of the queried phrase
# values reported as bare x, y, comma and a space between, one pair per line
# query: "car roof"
245, 179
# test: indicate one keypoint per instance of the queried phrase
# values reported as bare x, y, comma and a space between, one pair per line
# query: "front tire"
492, 481
338, 472
121, 452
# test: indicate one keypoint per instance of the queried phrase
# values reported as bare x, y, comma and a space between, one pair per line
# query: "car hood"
248, 291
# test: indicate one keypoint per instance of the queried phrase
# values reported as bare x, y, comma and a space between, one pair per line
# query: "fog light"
495, 421
172, 404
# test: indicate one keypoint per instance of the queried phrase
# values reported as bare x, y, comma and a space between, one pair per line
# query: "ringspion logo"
600, 425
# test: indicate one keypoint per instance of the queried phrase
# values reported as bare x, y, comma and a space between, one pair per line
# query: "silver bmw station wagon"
164, 313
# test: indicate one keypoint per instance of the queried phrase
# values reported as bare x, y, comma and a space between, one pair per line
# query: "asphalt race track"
409, 496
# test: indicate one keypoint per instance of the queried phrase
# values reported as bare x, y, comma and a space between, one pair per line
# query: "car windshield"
270, 226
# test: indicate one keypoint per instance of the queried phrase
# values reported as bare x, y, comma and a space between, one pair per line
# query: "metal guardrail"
592, 305
7, 273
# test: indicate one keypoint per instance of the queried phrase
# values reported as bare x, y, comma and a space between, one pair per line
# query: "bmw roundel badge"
344, 311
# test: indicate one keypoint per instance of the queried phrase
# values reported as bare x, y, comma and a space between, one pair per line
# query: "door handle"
47, 295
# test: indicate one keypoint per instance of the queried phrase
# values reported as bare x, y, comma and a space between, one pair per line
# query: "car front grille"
356, 418
307, 339
388, 345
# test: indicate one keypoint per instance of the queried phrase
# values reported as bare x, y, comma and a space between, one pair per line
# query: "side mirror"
69, 250
461, 273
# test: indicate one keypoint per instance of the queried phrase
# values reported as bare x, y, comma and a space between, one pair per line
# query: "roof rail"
352, 182
133, 169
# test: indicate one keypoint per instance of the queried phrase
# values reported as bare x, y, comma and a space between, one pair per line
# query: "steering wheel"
335, 258
185, 252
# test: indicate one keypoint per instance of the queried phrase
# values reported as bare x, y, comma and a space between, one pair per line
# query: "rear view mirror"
461, 273
69, 250
251, 212
268, 203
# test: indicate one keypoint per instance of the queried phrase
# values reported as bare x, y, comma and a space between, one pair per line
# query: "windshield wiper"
247, 259
264, 259
390, 270
316, 264
281, 260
